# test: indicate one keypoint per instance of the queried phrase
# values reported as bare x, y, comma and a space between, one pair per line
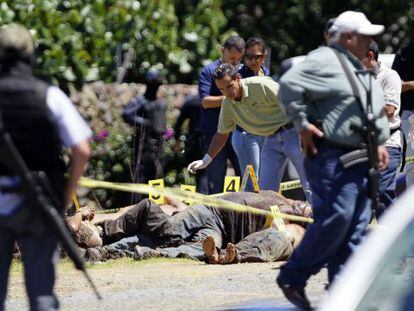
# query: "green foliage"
83, 41
111, 161
294, 27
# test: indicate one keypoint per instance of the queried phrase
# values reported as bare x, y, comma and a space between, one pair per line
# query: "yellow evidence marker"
191, 189
249, 172
157, 198
231, 184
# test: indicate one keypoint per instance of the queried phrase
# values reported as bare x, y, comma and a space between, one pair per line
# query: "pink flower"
101, 135
169, 133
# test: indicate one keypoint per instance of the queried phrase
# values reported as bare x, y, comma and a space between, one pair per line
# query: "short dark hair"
235, 42
252, 41
373, 47
225, 69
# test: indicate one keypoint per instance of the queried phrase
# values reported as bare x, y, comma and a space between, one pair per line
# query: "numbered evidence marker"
277, 221
157, 198
231, 184
249, 172
191, 189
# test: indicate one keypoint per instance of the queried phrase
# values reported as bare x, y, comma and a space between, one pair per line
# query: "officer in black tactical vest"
146, 114
41, 120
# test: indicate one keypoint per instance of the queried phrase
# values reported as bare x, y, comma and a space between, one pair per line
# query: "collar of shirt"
378, 67
354, 60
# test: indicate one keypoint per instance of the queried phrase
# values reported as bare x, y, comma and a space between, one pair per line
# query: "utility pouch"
354, 157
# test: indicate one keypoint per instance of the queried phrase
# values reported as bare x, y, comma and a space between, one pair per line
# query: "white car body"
369, 280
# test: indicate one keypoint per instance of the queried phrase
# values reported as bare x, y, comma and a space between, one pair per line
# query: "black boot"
295, 295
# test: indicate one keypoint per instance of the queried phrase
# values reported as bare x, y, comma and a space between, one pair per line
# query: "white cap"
351, 21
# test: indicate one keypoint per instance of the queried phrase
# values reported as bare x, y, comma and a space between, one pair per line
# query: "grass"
66, 264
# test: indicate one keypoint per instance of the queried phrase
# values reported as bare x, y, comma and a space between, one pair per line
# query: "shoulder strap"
348, 74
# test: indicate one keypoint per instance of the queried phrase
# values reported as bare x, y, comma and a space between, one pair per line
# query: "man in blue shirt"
211, 97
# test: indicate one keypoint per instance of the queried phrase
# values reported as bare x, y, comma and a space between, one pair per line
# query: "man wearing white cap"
318, 97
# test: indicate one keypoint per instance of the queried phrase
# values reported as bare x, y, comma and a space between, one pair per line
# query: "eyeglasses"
255, 57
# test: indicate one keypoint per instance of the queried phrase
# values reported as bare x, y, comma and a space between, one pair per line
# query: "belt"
285, 127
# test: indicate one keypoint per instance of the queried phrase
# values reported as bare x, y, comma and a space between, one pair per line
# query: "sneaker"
295, 295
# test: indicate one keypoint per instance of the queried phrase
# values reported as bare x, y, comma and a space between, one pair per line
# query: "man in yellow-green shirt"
252, 104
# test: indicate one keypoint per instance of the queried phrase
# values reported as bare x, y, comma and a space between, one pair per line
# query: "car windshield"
393, 286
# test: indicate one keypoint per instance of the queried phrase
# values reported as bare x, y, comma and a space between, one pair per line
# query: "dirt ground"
168, 284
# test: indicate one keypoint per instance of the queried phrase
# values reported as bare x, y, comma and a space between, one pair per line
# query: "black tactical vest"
27, 119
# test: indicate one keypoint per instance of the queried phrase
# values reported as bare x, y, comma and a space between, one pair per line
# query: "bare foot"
210, 250
230, 254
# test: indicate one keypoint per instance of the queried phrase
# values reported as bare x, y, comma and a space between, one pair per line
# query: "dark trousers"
341, 211
39, 257
217, 169
178, 235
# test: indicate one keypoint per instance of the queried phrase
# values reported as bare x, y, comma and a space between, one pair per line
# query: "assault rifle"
370, 131
37, 187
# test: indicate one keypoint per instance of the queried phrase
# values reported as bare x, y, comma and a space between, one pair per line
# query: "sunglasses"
255, 57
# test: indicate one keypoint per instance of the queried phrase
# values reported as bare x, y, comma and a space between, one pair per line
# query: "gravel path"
169, 285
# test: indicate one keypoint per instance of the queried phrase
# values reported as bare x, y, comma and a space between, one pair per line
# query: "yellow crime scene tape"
409, 160
194, 197
187, 195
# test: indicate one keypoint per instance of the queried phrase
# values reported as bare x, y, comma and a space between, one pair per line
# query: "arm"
407, 86
205, 84
392, 93
397, 65
132, 113
79, 158
389, 110
74, 134
298, 81
217, 143
212, 102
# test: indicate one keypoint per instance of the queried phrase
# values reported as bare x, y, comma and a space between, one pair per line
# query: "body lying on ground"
147, 231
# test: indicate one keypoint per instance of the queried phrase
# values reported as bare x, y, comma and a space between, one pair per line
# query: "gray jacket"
317, 89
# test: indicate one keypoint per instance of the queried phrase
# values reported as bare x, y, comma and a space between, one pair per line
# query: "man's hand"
306, 137
382, 158
199, 164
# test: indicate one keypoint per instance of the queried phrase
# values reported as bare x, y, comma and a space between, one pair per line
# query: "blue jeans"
248, 148
217, 169
387, 179
277, 149
39, 257
341, 211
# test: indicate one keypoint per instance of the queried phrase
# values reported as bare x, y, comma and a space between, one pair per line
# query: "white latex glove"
411, 131
199, 164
